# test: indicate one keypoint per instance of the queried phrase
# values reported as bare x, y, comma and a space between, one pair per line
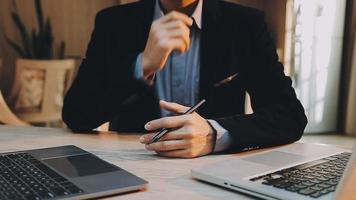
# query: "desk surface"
168, 178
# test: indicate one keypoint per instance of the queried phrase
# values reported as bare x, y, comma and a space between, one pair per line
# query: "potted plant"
38, 52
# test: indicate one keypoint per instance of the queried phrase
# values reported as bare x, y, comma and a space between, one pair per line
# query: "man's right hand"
170, 32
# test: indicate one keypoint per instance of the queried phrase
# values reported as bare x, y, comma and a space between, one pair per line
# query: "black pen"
164, 131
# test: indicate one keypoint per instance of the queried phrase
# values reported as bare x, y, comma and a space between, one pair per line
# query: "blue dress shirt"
178, 81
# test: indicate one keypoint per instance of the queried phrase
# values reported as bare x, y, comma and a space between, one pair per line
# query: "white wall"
318, 75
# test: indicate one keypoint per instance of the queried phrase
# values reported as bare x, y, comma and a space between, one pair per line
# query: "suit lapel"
209, 56
145, 19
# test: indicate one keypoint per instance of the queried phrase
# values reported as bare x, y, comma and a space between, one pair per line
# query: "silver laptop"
65, 172
296, 171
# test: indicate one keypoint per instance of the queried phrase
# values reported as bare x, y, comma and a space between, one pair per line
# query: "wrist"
147, 73
146, 69
212, 134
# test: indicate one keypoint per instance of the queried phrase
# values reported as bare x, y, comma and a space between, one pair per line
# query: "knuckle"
163, 146
185, 28
182, 25
190, 154
182, 48
174, 14
180, 32
150, 136
190, 130
190, 144
190, 134
171, 135
160, 34
187, 34
167, 136
161, 43
190, 118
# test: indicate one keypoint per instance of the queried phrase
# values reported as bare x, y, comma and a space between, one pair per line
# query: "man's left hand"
191, 137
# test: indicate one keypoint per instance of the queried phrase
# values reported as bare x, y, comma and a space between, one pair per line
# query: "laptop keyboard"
24, 177
314, 179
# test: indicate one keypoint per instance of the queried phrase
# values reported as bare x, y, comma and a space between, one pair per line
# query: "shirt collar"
197, 14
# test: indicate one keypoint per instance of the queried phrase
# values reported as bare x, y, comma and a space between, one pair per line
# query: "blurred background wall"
73, 22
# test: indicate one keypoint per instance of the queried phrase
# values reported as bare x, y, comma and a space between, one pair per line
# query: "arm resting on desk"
278, 116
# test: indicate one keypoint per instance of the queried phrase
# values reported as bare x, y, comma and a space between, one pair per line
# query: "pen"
164, 131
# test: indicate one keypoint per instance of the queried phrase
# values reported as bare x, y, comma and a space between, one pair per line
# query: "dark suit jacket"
234, 39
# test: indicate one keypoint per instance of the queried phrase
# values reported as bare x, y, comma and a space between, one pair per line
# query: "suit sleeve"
278, 116
104, 82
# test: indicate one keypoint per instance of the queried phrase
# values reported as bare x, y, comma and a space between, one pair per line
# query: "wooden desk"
168, 178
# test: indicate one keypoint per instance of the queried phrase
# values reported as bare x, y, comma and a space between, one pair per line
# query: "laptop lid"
237, 172
93, 175
346, 189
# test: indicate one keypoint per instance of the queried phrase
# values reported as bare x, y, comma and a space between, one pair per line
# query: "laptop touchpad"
275, 158
79, 165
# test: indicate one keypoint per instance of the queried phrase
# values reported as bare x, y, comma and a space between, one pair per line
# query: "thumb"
173, 107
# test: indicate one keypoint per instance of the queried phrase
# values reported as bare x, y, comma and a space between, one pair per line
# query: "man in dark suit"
183, 51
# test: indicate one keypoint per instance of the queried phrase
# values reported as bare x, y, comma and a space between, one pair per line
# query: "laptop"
296, 171
65, 172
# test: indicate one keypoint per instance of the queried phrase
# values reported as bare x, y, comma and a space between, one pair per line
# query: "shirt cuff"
223, 138
138, 72
138, 67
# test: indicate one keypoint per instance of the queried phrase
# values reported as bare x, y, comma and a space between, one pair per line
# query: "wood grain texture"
168, 178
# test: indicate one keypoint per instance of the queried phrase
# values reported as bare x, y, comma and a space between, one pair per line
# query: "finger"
178, 134
179, 45
166, 122
186, 132
173, 44
144, 139
174, 15
172, 25
181, 34
173, 107
186, 153
169, 145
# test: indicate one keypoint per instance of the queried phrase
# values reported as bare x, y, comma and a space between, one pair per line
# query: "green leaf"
39, 14
48, 39
62, 48
23, 33
15, 46
14, 5
35, 44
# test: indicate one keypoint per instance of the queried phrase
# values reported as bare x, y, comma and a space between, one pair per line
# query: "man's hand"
168, 33
192, 135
